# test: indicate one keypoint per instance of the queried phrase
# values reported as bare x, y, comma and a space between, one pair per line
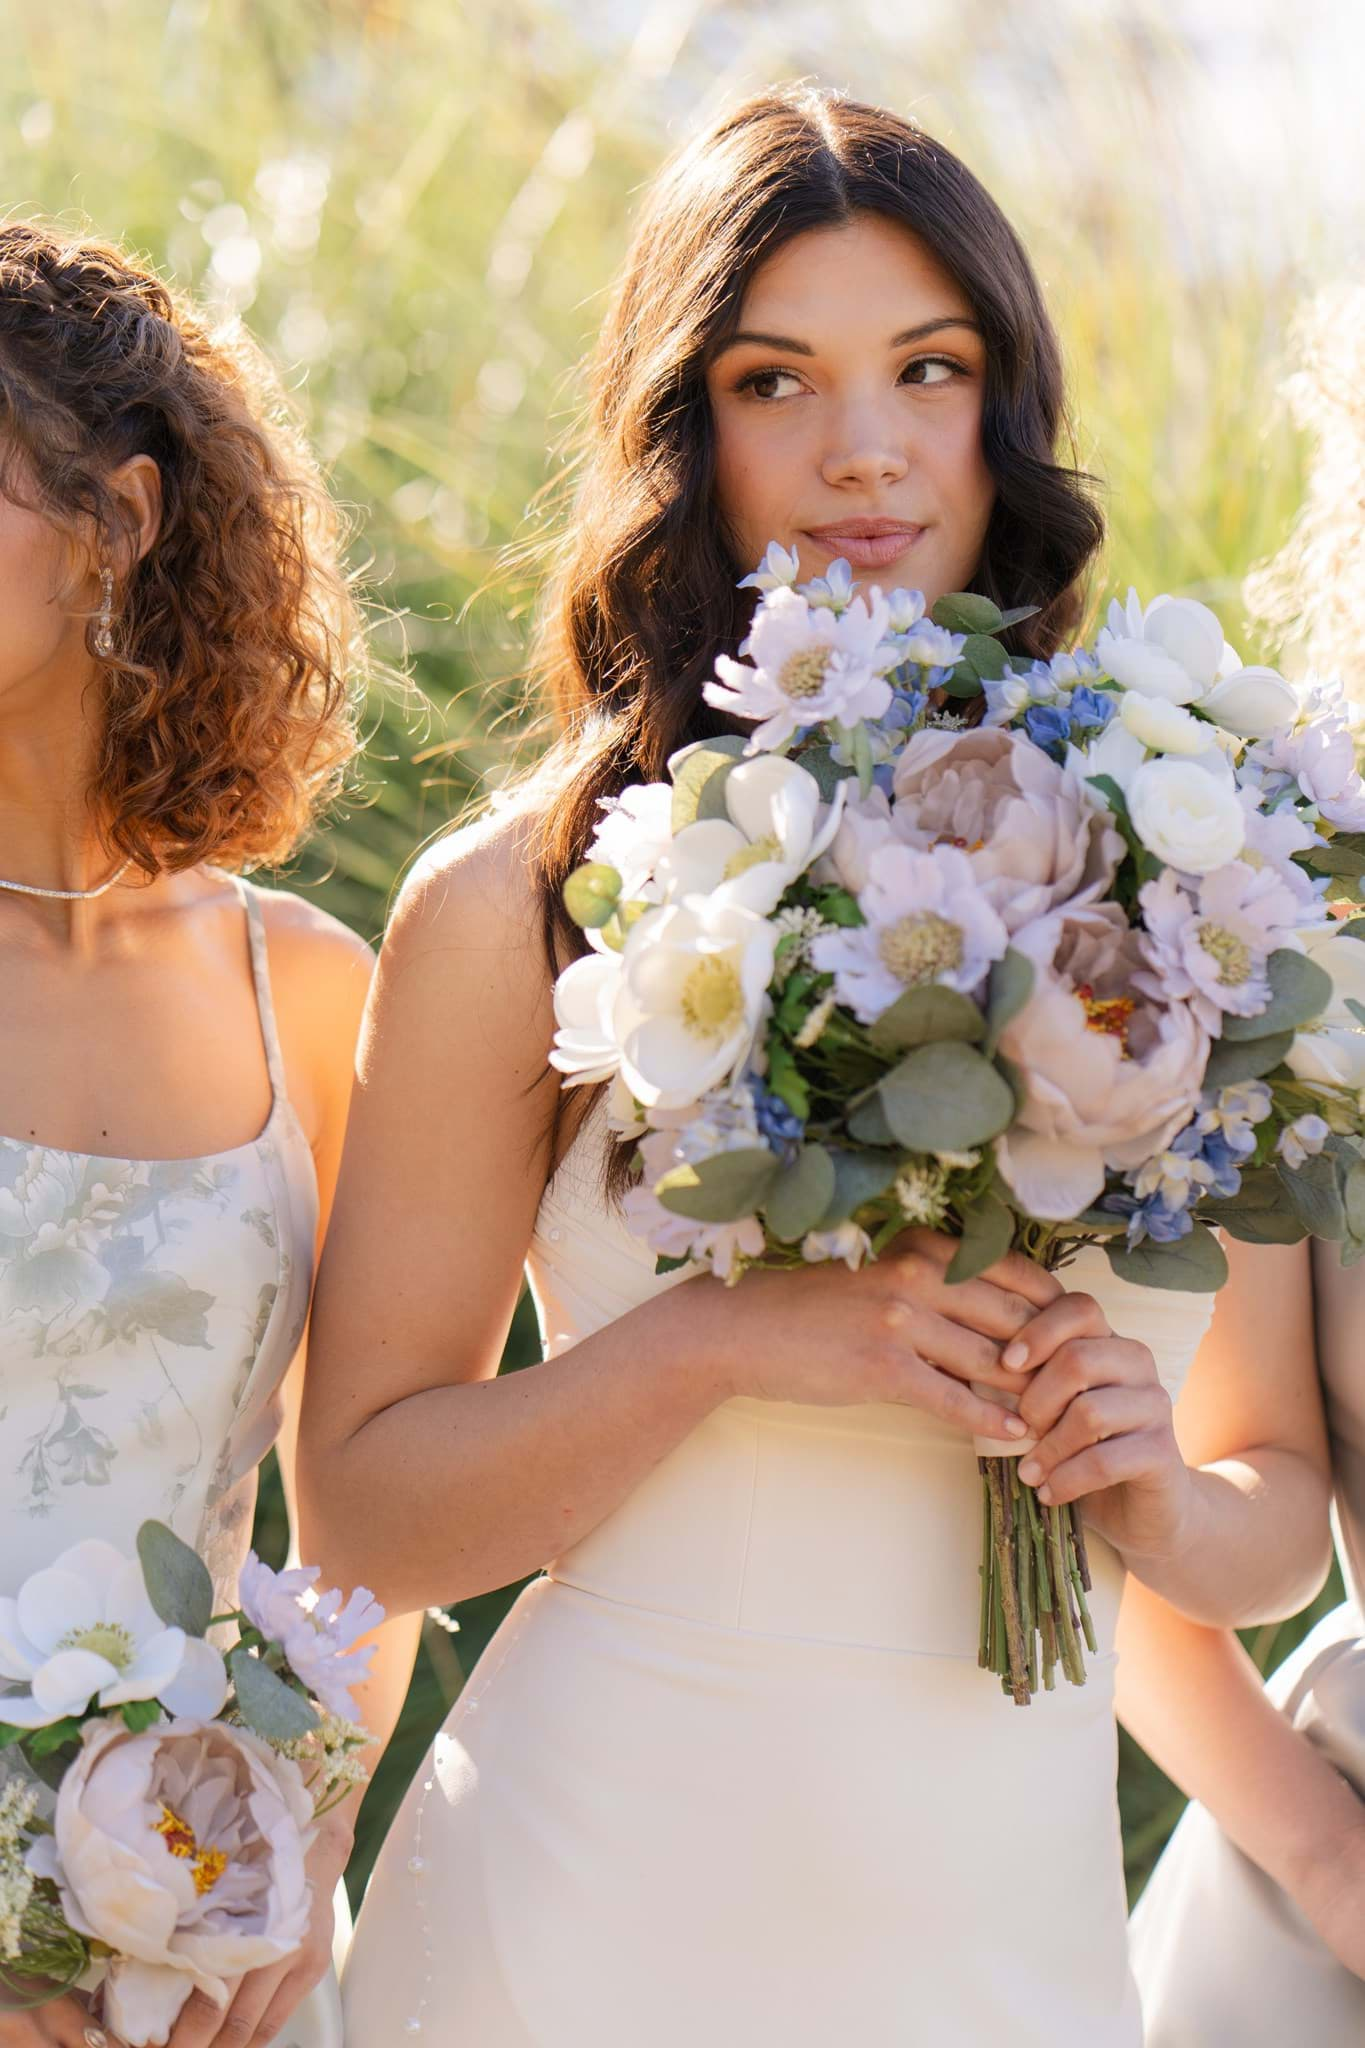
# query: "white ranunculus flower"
183, 1850
84, 1628
1333, 1049
773, 834
585, 1048
1188, 818
694, 979
1165, 727
1251, 702
1173, 649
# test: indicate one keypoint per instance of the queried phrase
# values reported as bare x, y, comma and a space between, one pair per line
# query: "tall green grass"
419, 206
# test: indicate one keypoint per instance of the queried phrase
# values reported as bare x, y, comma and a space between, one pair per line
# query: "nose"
865, 450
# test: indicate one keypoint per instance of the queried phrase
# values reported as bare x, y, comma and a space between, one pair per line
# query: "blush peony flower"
927, 921
84, 1628
1110, 1071
809, 664
1211, 945
183, 1849
1032, 831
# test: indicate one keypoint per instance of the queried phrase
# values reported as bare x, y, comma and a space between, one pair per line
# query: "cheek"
754, 492
37, 598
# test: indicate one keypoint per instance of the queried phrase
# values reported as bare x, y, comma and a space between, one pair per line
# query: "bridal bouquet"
186, 1782
1036, 954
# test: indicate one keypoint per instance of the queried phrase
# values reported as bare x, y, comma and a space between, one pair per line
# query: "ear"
136, 489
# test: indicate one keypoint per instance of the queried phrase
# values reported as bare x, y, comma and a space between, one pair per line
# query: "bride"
729, 1771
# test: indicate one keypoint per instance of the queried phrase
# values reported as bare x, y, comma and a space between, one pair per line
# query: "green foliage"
1300, 990
1196, 1264
945, 1098
720, 1189
266, 1703
178, 1582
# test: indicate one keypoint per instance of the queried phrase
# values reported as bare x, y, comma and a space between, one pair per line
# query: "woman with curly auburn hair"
1252, 1927
730, 1771
178, 676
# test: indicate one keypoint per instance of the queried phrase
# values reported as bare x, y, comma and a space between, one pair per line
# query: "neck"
49, 836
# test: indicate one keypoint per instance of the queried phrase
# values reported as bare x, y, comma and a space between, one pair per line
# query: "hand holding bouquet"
1060, 975
187, 1784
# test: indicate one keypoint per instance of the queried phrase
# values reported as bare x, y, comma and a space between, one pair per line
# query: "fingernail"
1045, 1496
1014, 1355
1015, 1427
1029, 1470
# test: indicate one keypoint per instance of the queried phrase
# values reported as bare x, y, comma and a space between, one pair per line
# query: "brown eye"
765, 383
932, 370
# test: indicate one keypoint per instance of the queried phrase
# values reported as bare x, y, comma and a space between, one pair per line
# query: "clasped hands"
1094, 1403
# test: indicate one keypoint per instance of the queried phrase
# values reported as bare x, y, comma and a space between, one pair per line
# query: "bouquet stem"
1034, 1578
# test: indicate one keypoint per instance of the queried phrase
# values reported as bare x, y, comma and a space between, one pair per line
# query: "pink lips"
865, 543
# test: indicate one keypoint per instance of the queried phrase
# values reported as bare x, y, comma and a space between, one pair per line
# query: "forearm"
1193, 1698
1253, 1544
458, 1488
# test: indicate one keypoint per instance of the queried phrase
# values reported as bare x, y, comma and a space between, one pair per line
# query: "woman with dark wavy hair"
729, 1772
178, 677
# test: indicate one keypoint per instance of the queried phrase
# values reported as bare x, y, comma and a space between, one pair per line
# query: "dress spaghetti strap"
250, 898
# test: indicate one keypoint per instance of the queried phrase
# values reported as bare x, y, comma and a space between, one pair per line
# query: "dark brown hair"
643, 593
229, 696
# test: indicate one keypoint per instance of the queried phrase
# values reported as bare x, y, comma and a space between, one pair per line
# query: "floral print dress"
149, 1310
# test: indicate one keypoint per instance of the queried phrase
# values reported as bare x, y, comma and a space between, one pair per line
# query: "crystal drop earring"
104, 625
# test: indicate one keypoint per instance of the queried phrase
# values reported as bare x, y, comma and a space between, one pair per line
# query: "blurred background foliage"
418, 205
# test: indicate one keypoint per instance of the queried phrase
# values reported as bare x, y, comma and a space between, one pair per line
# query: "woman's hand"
66, 2023
897, 1331
264, 1999
1103, 1423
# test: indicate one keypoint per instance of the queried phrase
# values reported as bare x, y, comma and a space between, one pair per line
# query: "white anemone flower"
927, 920
84, 1628
634, 830
774, 832
809, 665
586, 1049
694, 980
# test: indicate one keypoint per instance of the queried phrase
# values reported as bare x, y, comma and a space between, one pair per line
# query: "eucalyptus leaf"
924, 1016
1245, 1060
1196, 1264
868, 1123
693, 775
963, 682
1356, 1009
1007, 991
1354, 928
722, 1188
1016, 615
945, 1098
987, 657
801, 1195
1353, 1191
987, 1234
1102, 1222
1315, 1191
178, 1582
1334, 859
820, 763
1299, 991
267, 1705
1260, 1211
962, 611
858, 1177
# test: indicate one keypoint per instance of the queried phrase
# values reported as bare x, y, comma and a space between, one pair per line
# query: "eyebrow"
789, 346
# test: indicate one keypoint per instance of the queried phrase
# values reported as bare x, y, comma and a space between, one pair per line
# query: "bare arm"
422, 1472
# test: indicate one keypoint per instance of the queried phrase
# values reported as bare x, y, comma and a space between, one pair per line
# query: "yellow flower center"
1233, 955
1110, 1014
803, 674
919, 947
712, 1001
178, 1835
107, 1639
767, 848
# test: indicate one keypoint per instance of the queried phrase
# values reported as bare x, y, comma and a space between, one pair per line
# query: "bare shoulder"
308, 944
474, 892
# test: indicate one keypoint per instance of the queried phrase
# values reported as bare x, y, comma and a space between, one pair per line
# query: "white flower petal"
150, 1671
200, 1686
1253, 703
71, 1678
1052, 1179
18, 1656
21, 1710
126, 1602
54, 1602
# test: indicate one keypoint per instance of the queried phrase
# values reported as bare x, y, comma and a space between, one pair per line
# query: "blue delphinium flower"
1091, 710
778, 1125
1048, 726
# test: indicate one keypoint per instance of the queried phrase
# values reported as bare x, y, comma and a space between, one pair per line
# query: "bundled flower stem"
1034, 1578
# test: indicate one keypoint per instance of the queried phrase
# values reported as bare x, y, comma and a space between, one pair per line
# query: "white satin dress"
149, 1310
1220, 1951
729, 1777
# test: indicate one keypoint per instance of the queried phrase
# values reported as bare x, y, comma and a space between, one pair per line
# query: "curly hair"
228, 699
